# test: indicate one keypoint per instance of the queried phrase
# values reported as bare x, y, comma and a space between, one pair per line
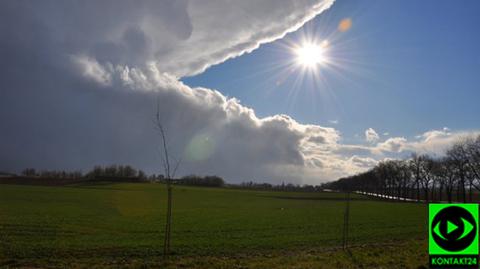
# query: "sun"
311, 54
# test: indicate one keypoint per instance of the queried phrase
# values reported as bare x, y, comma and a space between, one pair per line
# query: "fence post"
346, 219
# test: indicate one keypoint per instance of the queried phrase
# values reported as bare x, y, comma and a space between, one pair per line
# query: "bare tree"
381, 172
397, 177
447, 171
426, 170
415, 167
440, 178
406, 177
472, 156
170, 166
460, 164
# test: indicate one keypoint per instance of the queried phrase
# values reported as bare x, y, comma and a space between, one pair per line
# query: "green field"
123, 224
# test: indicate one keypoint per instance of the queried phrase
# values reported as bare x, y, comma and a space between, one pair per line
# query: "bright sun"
311, 54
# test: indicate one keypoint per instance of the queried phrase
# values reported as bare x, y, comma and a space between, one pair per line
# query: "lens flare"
200, 148
345, 25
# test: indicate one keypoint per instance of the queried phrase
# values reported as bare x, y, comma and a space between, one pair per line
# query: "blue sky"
406, 67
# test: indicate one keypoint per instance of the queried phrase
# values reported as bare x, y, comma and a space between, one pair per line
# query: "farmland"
123, 224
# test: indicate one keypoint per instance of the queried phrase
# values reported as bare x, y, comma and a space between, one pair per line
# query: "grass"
123, 223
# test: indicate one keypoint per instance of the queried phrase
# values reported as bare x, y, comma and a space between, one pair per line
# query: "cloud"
91, 69
180, 37
363, 163
436, 142
371, 136
394, 144
82, 79
212, 133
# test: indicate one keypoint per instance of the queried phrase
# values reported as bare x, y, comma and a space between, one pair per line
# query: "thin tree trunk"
470, 191
449, 194
418, 191
346, 218
458, 192
169, 217
169, 174
166, 243
440, 190
433, 193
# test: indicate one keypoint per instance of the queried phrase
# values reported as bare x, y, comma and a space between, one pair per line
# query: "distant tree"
214, 181
406, 178
472, 155
445, 174
207, 181
141, 175
460, 165
29, 172
426, 169
415, 164
128, 171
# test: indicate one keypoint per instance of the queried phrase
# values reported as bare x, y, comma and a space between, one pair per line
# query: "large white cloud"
181, 37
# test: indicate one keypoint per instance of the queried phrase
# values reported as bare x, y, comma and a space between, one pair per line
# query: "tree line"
195, 180
114, 173
289, 187
98, 172
452, 177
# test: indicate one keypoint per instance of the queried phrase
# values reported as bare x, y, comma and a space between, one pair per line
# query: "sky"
407, 67
80, 82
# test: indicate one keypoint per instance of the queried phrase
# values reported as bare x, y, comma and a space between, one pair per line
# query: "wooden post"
346, 219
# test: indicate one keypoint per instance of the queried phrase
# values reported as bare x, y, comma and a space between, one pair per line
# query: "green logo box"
453, 235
